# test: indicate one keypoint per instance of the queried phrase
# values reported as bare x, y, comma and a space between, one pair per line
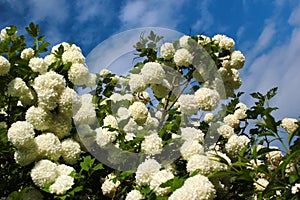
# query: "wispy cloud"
278, 67
150, 13
206, 19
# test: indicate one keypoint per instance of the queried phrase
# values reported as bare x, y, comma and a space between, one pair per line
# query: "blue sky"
266, 31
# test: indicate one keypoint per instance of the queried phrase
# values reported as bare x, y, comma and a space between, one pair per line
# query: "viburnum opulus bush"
172, 128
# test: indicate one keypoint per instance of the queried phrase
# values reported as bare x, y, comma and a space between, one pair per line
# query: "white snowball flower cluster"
139, 112
65, 45
190, 148
167, 50
183, 57
235, 145
231, 79
196, 187
4, 35
49, 146
21, 134
214, 157
261, 184
153, 73
46, 172
18, 88
183, 41
70, 151
237, 60
86, 114
160, 178
4, 66
191, 133
27, 53
275, 157
48, 87
111, 121
296, 188
38, 65
289, 124
62, 184
203, 39
208, 99
188, 104
26, 156
208, 117
104, 136
152, 144
73, 54
226, 131
67, 100
200, 163
137, 83
109, 186
224, 42
146, 170
232, 120
134, 195
78, 73
39, 118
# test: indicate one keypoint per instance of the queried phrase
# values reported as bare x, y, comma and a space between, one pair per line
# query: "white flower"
4, 35
63, 169
160, 178
226, 131
26, 54
38, 65
139, 112
78, 74
153, 73
49, 146
183, 41
236, 144
62, 184
4, 66
208, 117
91, 80
216, 164
231, 120
191, 133
65, 45
183, 57
49, 59
296, 188
188, 104
200, 163
67, 100
207, 99
70, 151
109, 186
60, 125
21, 134
200, 187
123, 113
86, 113
224, 42
261, 184
182, 193
104, 136
104, 72
131, 126
26, 156
167, 50
190, 148
73, 56
203, 39
289, 124
137, 83
237, 60
49, 86
275, 156
38, 117
44, 172
110, 120
134, 195
146, 171
152, 144
18, 88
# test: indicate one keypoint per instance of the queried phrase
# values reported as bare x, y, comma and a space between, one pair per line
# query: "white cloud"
206, 19
150, 13
278, 68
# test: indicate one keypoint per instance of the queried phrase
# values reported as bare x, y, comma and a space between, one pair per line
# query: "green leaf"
271, 93
87, 163
33, 29
270, 123
98, 167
